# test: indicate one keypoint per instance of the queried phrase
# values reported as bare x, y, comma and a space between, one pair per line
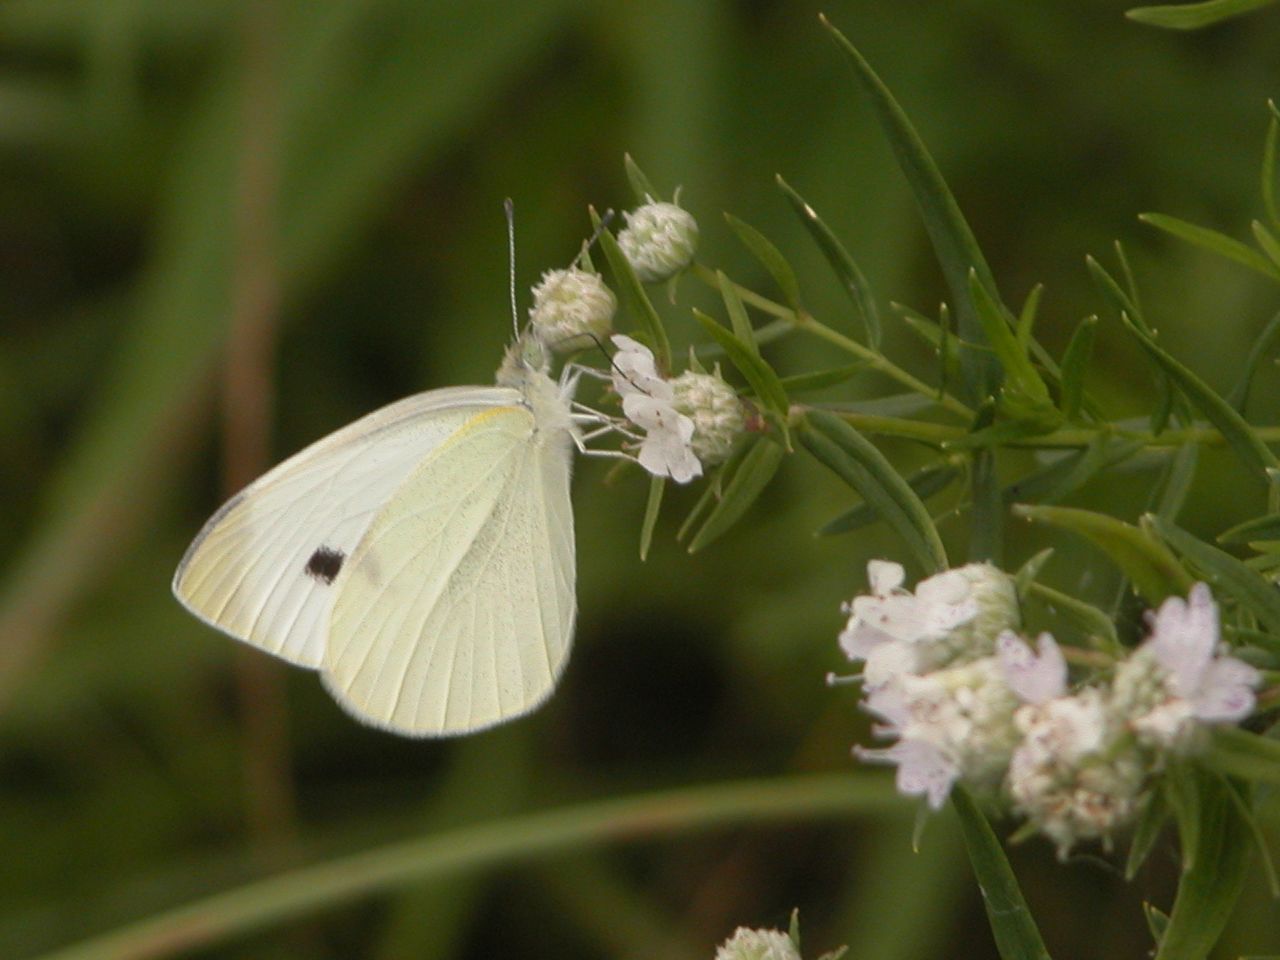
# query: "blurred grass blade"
1087, 617
842, 263
633, 294
275, 899
1267, 241
1193, 16
1259, 528
925, 483
805, 382
1247, 756
1262, 347
1012, 926
1224, 572
1234, 428
759, 374
856, 460
1151, 821
640, 184
953, 241
1207, 893
652, 508
1269, 153
1170, 494
1075, 362
770, 258
758, 466
738, 318
1214, 242
1155, 572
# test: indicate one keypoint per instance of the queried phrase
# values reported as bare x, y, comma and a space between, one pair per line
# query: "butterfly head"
527, 355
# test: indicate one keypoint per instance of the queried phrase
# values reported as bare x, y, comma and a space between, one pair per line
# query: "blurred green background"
330, 174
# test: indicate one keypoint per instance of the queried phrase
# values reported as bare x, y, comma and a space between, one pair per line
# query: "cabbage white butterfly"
421, 558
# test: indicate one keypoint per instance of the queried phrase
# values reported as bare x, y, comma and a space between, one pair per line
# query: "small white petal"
885, 576
923, 769
1226, 691
635, 370
1035, 679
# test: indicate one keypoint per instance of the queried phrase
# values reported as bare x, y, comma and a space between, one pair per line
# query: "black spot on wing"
325, 564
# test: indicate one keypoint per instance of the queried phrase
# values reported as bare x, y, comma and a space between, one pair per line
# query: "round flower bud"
659, 240
569, 305
715, 410
757, 945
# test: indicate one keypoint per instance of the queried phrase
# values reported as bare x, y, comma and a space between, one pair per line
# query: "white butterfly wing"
456, 610
263, 568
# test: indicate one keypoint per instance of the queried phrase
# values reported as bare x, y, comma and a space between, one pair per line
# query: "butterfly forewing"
265, 569
456, 610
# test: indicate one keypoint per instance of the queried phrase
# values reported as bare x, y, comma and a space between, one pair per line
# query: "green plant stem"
292, 893
805, 321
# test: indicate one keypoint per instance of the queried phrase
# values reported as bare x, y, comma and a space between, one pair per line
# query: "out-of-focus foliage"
335, 171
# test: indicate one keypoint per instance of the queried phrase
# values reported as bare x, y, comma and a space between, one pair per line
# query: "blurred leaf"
738, 318
748, 481
1224, 572
1266, 341
1233, 427
1247, 756
770, 258
926, 482
1171, 490
640, 185
715, 486
1214, 242
1030, 571
846, 268
1246, 814
651, 509
1151, 821
1011, 923
805, 382
1027, 316
1259, 528
1267, 241
758, 373
1089, 618
1208, 891
953, 241
1182, 784
1075, 362
633, 295
857, 461
1155, 572
1269, 152
1193, 16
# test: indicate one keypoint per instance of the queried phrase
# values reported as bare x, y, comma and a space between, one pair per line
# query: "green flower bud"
659, 240
715, 410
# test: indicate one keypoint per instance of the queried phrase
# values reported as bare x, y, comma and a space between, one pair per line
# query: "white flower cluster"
748, 944
688, 423
967, 699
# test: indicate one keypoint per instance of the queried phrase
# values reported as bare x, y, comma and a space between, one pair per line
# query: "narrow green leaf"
1130, 284
793, 932
986, 515
1074, 364
1208, 891
715, 487
770, 258
1102, 452
1193, 16
1262, 346
1245, 812
1247, 756
633, 295
654, 505
1259, 528
1214, 242
846, 268
737, 311
1094, 622
1224, 572
758, 467
640, 185
1029, 571
1027, 317
856, 460
1114, 295
758, 373
804, 382
1171, 489
1267, 241
1151, 821
1234, 429
925, 483
1020, 376
1182, 787
1269, 151
953, 240
1011, 923
1155, 572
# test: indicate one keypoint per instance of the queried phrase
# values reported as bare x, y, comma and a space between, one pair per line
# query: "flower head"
659, 240
571, 305
747, 944
715, 410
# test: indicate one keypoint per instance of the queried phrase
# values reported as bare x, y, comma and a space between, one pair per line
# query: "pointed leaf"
715, 486
953, 240
1094, 622
758, 373
758, 467
1214, 242
925, 483
632, 293
1266, 342
804, 382
846, 268
861, 465
1011, 923
1155, 814
1234, 428
1259, 528
1074, 364
1155, 572
1020, 376
1029, 571
640, 185
656, 486
1027, 317
1193, 16
1175, 482
738, 318
1267, 241
1224, 572
1116, 297
770, 258
1244, 755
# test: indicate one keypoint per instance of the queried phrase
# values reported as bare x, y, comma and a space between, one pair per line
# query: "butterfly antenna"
591, 241
510, 209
